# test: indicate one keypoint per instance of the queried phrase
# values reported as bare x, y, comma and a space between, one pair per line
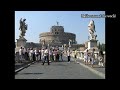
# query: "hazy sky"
41, 21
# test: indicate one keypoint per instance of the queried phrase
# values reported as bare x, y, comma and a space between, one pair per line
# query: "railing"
80, 55
19, 64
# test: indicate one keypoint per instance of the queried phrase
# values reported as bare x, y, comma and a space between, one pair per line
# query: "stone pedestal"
21, 42
92, 44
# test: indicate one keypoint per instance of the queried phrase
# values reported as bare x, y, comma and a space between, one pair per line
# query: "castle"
57, 36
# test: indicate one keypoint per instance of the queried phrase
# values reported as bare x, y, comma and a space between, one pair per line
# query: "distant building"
57, 36
31, 45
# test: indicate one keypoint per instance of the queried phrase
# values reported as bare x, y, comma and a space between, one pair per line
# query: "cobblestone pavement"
56, 70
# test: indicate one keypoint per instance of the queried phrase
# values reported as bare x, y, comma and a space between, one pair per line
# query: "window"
56, 33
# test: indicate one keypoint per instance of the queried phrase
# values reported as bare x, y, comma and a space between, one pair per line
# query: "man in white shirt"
31, 54
36, 54
46, 55
42, 54
21, 54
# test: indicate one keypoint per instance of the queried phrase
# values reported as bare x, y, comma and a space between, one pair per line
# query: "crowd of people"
89, 58
55, 55
40, 54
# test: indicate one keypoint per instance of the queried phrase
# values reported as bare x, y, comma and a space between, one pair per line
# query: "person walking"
34, 58
46, 56
24, 51
75, 56
50, 54
54, 54
68, 55
86, 57
101, 59
21, 54
27, 54
61, 55
39, 54
92, 57
57, 55
36, 54
31, 54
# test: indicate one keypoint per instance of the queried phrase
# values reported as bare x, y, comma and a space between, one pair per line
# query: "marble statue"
22, 28
91, 29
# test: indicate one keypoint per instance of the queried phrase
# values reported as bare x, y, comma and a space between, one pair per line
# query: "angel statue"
91, 29
22, 28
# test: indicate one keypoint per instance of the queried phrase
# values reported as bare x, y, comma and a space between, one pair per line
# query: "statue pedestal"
92, 44
21, 42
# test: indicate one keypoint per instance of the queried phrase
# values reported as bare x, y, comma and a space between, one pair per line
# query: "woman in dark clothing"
34, 56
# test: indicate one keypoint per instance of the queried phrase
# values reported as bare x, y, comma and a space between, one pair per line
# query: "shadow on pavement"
31, 73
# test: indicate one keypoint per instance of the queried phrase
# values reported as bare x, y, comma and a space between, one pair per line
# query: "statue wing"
26, 26
20, 24
20, 21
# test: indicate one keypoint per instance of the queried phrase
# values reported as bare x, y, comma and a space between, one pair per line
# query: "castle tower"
57, 36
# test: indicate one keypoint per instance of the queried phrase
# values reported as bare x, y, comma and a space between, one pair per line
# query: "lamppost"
48, 52
62, 47
43, 43
69, 43
65, 48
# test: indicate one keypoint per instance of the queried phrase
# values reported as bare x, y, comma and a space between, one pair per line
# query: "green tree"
103, 47
99, 45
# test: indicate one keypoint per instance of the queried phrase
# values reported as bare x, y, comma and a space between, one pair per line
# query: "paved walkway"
96, 66
57, 70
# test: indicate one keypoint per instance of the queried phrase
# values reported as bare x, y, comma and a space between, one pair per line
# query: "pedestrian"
24, 50
68, 55
86, 57
39, 54
34, 58
54, 54
50, 54
61, 54
57, 55
46, 56
101, 59
25, 55
28, 50
21, 54
36, 54
92, 57
75, 56
31, 54
42, 54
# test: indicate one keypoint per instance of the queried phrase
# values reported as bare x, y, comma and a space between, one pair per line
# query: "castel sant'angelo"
57, 36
